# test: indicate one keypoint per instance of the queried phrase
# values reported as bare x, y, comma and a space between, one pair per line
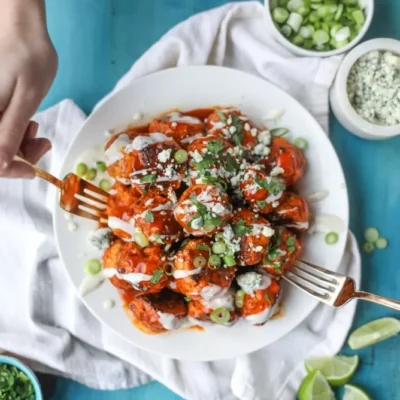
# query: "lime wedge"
315, 387
374, 332
337, 370
354, 393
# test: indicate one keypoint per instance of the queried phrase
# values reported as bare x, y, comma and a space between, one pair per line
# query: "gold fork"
330, 287
78, 196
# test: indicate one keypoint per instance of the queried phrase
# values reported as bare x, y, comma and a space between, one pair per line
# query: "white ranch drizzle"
125, 226
184, 273
90, 283
114, 152
178, 117
133, 277
317, 196
325, 223
169, 321
141, 142
191, 139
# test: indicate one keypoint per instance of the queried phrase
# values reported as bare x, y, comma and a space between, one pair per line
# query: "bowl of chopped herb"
17, 381
317, 28
365, 96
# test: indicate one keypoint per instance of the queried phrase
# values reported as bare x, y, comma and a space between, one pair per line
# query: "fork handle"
41, 173
374, 298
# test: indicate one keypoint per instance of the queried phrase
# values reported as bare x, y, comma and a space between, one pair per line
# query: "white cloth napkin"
41, 315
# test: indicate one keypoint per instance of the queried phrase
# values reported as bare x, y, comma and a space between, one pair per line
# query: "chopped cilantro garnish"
277, 267
240, 228
273, 185
201, 208
149, 217
151, 178
238, 136
213, 221
219, 183
215, 146
274, 254
221, 116
187, 299
158, 273
208, 161
230, 163
261, 204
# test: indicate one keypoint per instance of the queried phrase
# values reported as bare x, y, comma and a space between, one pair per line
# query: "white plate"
189, 88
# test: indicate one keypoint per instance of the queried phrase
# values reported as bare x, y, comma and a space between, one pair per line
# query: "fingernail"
33, 127
4, 161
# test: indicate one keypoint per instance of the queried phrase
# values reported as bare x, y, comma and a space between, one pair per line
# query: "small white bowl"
369, 11
340, 102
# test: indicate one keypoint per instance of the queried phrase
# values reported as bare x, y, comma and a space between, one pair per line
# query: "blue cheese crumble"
373, 87
101, 238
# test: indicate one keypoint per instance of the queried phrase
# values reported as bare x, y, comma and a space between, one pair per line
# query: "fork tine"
92, 188
90, 201
323, 271
88, 195
84, 206
84, 214
318, 276
296, 272
298, 284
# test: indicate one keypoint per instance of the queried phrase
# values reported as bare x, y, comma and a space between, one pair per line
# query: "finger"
32, 130
34, 149
14, 123
18, 169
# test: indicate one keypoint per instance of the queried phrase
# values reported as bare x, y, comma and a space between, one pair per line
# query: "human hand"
28, 65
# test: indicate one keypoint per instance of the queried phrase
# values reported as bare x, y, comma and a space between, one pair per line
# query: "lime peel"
352, 392
315, 387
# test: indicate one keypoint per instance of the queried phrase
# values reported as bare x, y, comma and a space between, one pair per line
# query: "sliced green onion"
229, 260
280, 15
81, 169
219, 247
239, 298
294, 5
368, 247
294, 21
301, 143
105, 185
303, 11
148, 216
91, 174
305, 32
322, 11
278, 132
157, 275
381, 243
181, 156
203, 247
286, 30
141, 239
200, 261
334, 30
331, 238
220, 315
168, 268
371, 235
320, 37
297, 40
358, 17
219, 236
339, 12
342, 34
314, 17
214, 260
187, 299
101, 166
92, 267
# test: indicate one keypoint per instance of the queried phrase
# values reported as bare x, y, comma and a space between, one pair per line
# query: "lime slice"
374, 332
315, 387
354, 393
337, 370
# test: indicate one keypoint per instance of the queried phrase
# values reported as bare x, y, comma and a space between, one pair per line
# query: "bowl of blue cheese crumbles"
365, 97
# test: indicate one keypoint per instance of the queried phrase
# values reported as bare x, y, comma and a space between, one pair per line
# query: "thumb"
14, 123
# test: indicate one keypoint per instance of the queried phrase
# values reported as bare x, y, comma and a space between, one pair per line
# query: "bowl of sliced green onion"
319, 28
17, 381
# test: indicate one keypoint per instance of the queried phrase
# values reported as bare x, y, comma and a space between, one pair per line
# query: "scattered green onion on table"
319, 25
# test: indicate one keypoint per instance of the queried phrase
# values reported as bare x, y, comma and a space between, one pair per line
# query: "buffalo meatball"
263, 192
120, 210
253, 233
258, 297
158, 312
195, 277
234, 126
182, 128
130, 267
282, 251
203, 210
146, 161
285, 160
292, 212
155, 217
212, 160
220, 309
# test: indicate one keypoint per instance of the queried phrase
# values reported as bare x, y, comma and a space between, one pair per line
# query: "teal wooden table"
98, 40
